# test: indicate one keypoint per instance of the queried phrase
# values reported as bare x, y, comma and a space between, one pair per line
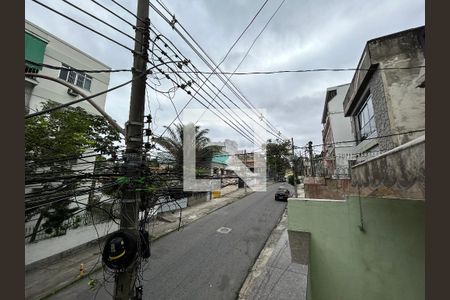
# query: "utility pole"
125, 279
294, 171
311, 158
245, 170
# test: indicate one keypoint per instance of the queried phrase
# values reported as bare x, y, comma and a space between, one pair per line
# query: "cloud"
303, 35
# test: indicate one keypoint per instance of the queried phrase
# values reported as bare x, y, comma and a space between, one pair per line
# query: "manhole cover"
224, 230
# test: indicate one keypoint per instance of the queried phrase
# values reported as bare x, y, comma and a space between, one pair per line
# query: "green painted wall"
387, 261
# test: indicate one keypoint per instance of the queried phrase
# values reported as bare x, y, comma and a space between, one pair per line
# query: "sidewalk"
46, 278
274, 275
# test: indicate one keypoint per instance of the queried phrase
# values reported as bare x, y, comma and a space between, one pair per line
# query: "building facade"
386, 98
336, 134
42, 47
370, 244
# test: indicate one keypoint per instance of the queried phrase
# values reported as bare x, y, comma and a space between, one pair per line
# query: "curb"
243, 290
42, 262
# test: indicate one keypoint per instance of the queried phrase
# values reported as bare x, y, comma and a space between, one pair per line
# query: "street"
208, 259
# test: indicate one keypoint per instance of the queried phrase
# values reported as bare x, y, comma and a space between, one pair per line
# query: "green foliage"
291, 180
57, 139
278, 154
174, 145
56, 217
67, 132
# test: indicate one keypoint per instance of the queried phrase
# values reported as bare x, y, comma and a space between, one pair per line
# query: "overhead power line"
307, 70
113, 13
100, 20
232, 87
81, 99
242, 125
240, 36
85, 26
128, 11
76, 70
204, 81
90, 97
371, 138
227, 121
73, 214
250, 48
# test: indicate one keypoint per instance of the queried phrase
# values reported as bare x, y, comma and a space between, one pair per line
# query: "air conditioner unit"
72, 92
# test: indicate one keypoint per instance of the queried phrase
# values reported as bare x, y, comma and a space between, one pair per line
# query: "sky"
303, 34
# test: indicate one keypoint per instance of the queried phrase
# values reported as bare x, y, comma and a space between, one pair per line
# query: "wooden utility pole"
294, 171
245, 170
311, 158
125, 280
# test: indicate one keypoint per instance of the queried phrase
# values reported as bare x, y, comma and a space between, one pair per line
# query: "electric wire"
83, 25
369, 138
201, 88
240, 36
127, 10
113, 13
213, 91
42, 229
75, 69
242, 98
251, 46
236, 91
100, 20
91, 96
236, 128
309, 70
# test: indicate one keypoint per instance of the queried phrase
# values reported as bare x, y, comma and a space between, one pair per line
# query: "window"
77, 78
366, 120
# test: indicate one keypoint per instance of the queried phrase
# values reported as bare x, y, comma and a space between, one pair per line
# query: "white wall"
340, 126
73, 238
56, 53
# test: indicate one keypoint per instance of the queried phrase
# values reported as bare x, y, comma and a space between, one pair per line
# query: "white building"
337, 133
43, 47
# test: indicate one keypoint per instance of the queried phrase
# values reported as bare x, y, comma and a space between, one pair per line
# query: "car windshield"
280, 190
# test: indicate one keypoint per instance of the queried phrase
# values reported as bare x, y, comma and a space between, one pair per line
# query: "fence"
335, 167
84, 219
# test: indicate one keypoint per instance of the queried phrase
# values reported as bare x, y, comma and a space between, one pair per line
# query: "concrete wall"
405, 100
398, 94
198, 198
398, 173
74, 237
329, 189
56, 53
387, 261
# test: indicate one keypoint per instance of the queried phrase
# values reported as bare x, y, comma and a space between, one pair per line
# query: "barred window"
78, 78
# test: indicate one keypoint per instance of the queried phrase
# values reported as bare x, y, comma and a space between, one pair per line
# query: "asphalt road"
208, 259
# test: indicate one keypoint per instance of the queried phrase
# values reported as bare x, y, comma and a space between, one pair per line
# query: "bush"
291, 180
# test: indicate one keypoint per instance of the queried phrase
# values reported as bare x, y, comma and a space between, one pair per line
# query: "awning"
220, 159
34, 51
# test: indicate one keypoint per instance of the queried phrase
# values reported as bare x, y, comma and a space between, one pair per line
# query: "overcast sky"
304, 34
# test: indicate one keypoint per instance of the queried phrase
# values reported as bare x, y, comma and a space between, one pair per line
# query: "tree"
53, 143
278, 155
174, 145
